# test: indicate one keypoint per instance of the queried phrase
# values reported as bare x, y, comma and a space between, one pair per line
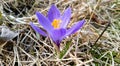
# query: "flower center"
56, 23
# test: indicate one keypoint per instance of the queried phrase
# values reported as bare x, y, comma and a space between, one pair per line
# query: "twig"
102, 32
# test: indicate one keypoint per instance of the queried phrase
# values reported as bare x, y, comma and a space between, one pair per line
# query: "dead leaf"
6, 33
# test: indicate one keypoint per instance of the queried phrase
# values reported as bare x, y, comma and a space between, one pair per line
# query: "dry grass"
96, 44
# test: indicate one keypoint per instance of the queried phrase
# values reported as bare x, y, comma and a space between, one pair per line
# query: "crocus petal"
44, 22
66, 18
53, 13
38, 29
75, 28
57, 36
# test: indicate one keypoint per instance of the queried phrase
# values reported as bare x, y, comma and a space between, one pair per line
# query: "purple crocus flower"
55, 24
